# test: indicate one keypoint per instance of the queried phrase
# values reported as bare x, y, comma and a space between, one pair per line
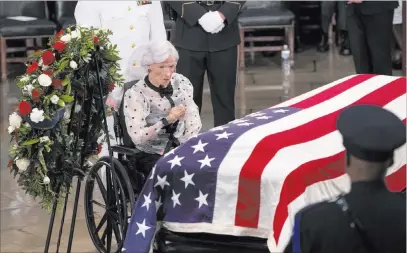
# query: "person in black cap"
369, 218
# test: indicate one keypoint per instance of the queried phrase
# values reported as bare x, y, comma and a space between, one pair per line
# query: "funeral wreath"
45, 125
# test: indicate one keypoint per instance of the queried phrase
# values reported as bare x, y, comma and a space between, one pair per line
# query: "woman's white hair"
158, 51
145, 55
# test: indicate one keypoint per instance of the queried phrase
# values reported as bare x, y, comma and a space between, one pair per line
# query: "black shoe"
324, 44
345, 45
397, 60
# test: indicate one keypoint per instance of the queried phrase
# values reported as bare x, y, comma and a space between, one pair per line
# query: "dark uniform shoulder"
317, 208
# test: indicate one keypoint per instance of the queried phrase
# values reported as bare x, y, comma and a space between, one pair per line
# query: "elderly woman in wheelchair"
159, 110
152, 116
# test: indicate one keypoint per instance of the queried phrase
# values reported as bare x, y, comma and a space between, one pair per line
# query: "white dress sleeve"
157, 28
192, 120
87, 14
136, 110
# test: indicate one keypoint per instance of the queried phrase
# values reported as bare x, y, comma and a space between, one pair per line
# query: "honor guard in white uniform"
133, 23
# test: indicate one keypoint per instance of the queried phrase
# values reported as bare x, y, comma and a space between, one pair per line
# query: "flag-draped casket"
250, 177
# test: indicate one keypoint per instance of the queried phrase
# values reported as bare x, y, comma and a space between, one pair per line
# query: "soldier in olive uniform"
370, 33
369, 218
206, 35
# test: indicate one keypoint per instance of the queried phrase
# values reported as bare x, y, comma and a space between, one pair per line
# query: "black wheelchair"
118, 193
123, 184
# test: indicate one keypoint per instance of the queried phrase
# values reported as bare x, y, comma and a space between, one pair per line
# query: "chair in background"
35, 27
64, 14
257, 16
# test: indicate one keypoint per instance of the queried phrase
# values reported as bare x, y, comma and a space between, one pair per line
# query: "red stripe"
297, 181
316, 171
248, 204
333, 91
396, 181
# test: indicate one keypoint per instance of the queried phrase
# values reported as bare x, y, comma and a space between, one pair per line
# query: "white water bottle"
286, 67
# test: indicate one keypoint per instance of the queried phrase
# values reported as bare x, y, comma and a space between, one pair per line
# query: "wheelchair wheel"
113, 215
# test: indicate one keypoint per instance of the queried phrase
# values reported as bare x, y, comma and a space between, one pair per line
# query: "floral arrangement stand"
60, 122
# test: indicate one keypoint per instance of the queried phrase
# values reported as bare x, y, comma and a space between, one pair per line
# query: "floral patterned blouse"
144, 108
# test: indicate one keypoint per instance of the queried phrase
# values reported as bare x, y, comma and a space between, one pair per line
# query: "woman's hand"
176, 113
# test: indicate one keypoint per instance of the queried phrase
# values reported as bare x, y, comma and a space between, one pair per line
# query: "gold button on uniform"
133, 45
129, 8
131, 27
134, 63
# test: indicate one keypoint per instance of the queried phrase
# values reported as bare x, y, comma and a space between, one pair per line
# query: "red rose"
56, 83
35, 95
48, 72
99, 149
59, 46
48, 58
95, 40
111, 86
32, 68
24, 108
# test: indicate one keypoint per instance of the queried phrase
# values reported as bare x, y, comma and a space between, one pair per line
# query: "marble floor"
24, 224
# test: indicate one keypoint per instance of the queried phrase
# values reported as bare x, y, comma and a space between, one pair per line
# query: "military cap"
370, 132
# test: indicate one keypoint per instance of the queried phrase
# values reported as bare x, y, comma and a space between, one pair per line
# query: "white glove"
219, 28
210, 21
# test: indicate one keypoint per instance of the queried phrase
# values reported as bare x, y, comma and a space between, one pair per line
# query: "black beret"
370, 132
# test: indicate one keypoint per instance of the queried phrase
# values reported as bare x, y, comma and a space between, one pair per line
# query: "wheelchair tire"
122, 199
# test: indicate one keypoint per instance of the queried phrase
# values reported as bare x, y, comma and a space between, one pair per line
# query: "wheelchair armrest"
125, 150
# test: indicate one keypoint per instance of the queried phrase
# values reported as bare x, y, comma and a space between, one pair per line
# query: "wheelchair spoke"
98, 204
103, 238
109, 235
117, 233
102, 222
101, 187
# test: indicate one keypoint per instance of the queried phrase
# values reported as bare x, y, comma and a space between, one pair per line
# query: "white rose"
37, 115
29, 88
26, 125
46, 180
22, 164
11, 129
54, 99
66, 38
44, 80
44, 139
75, 34
15, 120
40, 62
73, 65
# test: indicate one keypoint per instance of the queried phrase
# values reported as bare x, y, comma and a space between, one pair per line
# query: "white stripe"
311, 93
283, 163
319, 191
229, 169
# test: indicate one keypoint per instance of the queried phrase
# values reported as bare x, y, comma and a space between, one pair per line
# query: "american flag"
250, 177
